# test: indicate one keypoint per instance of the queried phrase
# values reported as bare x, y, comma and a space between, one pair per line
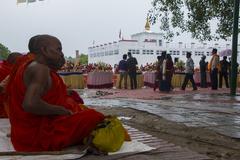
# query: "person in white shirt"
189, 71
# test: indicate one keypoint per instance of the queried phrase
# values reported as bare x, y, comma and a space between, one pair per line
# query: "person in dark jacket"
132, 70
169, 70
223, 73
203, 68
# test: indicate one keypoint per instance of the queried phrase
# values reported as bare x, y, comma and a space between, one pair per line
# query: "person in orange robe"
42, 115
5, 69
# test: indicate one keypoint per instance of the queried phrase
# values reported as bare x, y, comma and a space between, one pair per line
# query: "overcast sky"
77, 23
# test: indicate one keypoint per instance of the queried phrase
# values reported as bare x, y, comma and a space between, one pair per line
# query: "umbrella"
226, 52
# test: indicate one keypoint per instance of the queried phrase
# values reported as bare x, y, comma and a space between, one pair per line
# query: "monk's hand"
4, 83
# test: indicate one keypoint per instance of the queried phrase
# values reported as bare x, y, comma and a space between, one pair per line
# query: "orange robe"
30, 132
5, 69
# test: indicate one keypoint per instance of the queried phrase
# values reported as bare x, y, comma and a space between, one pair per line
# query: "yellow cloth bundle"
110, 135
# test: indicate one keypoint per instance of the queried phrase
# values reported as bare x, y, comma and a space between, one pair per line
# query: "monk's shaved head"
48, 50
12, 58
32, 44
39, 41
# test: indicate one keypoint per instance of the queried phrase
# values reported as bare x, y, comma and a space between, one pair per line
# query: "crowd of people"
217, 69
164, 68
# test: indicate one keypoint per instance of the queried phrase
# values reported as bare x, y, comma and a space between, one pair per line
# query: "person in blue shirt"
123, 67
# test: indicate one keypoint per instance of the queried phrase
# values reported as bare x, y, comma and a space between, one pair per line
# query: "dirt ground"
197, 139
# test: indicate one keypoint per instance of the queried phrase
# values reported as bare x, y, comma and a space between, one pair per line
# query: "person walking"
223, 73
132, 70
159, 70
122, 67
203, 75
189, 72
213, 67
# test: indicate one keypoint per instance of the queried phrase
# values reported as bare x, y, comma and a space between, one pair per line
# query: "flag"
21, 1
30, 1
120, 34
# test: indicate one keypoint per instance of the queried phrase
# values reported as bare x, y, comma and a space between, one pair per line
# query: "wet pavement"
215, 111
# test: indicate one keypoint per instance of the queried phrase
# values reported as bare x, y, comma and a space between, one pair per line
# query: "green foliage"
83, 59
193, 16
4, 52
180, 64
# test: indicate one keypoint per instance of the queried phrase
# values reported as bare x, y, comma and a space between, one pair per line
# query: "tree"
4, 51
83, 59
194, 16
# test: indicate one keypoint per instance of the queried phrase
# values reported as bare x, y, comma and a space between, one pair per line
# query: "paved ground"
214, 110
198, 118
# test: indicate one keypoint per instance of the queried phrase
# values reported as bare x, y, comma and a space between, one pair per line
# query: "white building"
146, 46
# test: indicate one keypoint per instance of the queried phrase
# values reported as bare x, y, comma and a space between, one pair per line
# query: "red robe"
30, 132
5, 69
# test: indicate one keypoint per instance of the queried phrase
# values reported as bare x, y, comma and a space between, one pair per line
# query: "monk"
5, 69
42, 115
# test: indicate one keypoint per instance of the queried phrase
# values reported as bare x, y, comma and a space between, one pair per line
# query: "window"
144, 51
116, 51
157, 52
160, 42
137, 51
133, 51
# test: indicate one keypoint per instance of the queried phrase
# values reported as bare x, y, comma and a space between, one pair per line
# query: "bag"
164, 86
110, 135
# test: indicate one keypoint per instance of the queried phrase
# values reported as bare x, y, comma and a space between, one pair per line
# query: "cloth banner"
27, 1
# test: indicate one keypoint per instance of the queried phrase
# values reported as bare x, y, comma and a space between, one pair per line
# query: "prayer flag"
21, 1
30, 1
